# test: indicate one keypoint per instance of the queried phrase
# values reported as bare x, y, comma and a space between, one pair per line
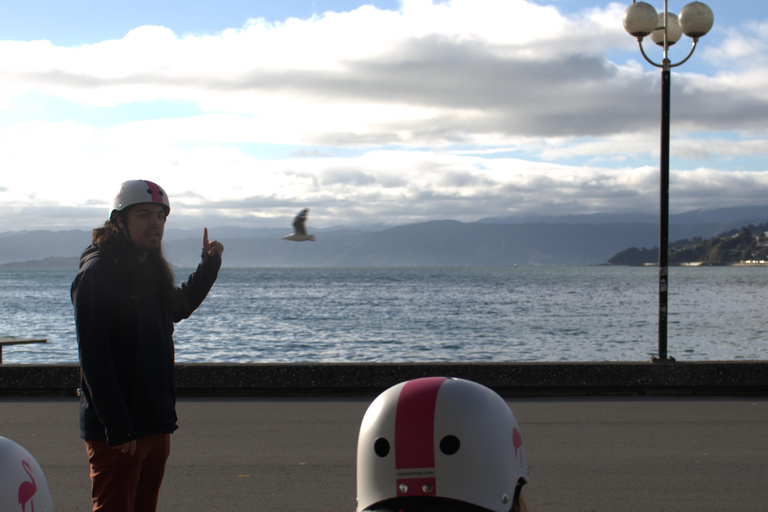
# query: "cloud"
743, 46
461, 109
225, 185
431, 74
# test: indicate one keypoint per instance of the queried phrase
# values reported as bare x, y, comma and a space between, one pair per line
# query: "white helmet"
23, 487
443, 439
138, 192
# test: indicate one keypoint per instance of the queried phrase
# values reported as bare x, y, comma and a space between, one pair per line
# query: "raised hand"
212, 248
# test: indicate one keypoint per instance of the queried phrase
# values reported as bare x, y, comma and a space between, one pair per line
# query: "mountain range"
565, 240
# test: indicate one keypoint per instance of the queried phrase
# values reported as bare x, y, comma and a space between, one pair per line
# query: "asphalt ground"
298, 454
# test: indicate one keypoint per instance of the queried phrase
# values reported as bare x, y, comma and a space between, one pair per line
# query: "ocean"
420, 314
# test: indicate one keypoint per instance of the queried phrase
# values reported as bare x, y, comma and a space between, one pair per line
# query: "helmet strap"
121, 221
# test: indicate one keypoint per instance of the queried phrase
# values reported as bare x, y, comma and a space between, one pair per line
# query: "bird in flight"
300, 228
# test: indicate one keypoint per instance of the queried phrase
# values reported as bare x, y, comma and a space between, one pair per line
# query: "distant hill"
440, 243
55, 263
749, 244
635, 257
573, 240
39, 245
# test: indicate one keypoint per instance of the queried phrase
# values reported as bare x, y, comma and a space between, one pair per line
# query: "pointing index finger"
205, 237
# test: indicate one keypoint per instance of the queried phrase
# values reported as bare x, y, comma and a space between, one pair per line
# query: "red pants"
121, 482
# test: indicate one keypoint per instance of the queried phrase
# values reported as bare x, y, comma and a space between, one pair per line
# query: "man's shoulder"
94, 270
90, 257
94, 261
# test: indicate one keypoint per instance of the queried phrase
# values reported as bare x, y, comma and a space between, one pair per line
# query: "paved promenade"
298, 454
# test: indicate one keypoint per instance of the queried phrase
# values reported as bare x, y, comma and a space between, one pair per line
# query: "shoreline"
705, 378
701, 264
71, 264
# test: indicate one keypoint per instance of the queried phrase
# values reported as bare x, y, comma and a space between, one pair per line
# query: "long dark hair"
153, 277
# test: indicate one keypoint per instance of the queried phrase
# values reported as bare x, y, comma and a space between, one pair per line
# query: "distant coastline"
53, 263
72, 264
709, 264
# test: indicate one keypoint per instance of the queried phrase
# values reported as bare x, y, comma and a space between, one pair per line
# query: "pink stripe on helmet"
155, 191
415, 437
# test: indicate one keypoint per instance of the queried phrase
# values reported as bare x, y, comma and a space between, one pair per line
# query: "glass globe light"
640, 19
696, 19
674, 32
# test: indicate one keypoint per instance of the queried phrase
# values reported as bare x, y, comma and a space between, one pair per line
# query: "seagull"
300, 229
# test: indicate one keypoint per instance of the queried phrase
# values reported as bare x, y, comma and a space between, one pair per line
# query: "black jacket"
125, 343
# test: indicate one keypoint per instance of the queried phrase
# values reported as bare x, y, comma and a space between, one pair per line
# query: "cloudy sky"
387, 111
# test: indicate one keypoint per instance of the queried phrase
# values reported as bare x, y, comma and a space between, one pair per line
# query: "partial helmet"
138, 192
439, 439
23, 486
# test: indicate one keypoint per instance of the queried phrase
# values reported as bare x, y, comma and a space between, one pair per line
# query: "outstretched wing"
299, 223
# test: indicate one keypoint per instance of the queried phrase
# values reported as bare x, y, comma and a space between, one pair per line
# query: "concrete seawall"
509, 379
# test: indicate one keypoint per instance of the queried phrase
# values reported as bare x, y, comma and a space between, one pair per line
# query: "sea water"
415, 314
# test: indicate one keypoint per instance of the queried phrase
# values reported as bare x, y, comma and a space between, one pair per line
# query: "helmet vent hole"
381, 447
450, 445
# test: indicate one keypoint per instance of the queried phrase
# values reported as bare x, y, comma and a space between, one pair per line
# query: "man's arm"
200, 282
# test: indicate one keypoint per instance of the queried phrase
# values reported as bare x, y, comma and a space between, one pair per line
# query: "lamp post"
665, 29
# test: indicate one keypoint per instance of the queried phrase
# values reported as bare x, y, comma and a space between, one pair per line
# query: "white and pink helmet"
448, 439
23, 487
138, 192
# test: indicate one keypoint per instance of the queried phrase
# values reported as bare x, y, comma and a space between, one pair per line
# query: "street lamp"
665, 29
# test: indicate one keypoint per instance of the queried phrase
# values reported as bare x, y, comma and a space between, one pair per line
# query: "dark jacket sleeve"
197, 286
96, 312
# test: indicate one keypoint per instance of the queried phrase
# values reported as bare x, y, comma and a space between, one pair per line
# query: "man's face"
146, 224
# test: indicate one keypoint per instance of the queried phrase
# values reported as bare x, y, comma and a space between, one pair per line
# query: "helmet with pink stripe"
138, 192
440, 440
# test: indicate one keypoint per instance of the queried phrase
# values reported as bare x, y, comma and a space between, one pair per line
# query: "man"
126, 303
